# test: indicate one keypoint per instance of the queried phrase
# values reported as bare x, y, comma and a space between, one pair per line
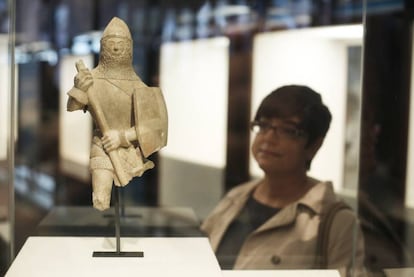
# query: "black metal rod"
122, 204
118, 252
117, 221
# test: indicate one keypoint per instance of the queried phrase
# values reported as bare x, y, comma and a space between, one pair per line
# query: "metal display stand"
118, 252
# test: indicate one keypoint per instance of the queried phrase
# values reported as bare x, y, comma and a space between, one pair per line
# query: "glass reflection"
383, 144
7, 74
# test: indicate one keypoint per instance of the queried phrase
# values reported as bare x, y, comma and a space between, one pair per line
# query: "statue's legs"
102, 180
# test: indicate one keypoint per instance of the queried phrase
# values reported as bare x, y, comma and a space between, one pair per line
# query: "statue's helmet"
117, 28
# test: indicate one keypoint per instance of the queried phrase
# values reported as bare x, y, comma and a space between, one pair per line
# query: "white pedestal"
72, 257
399, 272
280, 273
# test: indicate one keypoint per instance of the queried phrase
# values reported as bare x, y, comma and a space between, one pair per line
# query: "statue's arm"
114, 139
78, 98
131, 134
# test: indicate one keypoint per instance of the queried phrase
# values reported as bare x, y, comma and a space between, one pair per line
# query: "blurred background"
214, 61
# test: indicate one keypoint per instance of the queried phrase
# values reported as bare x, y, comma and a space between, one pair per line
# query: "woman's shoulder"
238, 194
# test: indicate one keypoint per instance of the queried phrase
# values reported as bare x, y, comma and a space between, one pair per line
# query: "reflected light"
87, 43
75, 128
346, 32
4, 84
409, 196
36, 51
197, 113
232, 10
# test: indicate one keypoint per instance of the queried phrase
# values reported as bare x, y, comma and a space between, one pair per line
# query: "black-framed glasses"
283, 132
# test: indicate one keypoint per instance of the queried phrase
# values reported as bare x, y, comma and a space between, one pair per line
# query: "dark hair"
300, 101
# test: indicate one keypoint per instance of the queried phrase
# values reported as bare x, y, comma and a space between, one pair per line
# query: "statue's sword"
99, 117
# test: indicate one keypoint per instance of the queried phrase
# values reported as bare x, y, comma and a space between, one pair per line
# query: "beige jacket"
288, 239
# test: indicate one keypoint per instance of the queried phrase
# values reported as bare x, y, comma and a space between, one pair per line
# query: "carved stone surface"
130, 117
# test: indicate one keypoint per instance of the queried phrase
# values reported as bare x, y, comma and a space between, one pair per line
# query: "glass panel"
215, 61
409, 197
320, 59
7, 127
5, 220
207, 69
385, 157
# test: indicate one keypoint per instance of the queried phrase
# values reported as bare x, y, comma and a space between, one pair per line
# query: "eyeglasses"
281, 131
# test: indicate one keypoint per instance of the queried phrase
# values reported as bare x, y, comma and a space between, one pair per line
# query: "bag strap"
327, 217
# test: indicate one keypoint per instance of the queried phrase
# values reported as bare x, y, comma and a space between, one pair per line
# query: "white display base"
72, 256
399, 272
280, 273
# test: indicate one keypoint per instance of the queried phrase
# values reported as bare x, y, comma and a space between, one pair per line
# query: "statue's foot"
100, 202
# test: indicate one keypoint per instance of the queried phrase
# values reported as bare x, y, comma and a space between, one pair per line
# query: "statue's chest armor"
115, 100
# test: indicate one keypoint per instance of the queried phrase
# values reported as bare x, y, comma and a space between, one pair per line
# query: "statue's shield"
151, 119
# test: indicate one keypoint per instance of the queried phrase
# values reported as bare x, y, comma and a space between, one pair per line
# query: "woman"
272, 223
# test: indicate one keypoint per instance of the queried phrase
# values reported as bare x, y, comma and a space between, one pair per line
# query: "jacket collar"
318, 196
315, 199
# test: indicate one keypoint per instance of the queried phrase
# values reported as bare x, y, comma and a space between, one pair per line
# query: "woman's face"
280, 146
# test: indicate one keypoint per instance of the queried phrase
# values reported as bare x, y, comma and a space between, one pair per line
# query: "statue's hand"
83, 80
111, 140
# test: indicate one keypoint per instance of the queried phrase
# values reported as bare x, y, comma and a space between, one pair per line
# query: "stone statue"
130, 117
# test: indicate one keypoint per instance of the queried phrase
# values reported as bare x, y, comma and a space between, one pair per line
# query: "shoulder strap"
327, 217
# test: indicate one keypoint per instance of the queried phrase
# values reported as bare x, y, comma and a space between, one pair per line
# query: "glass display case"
214, 62
7, 127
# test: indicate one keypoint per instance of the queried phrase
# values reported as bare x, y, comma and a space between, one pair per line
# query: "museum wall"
214, 61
